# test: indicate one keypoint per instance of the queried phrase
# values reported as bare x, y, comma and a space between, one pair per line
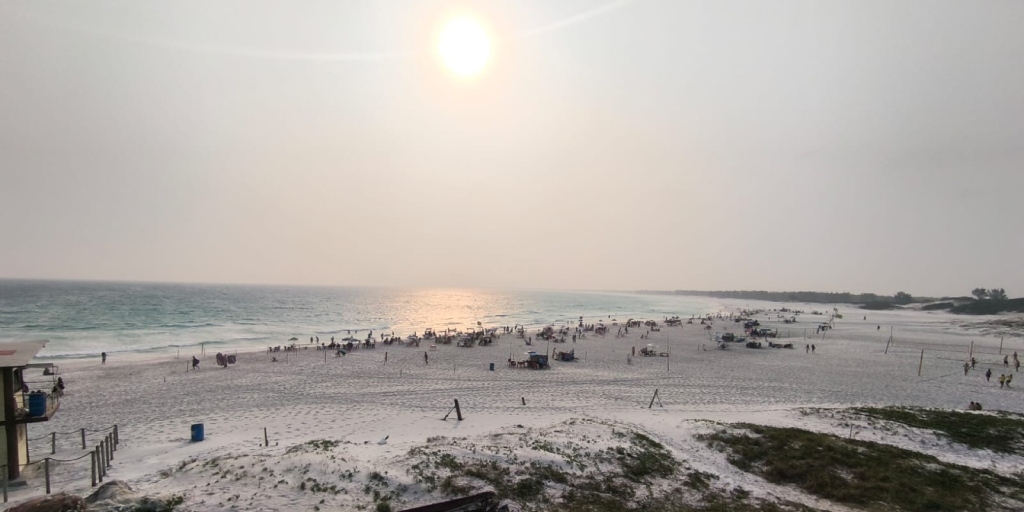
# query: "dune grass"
999, 432
864, 474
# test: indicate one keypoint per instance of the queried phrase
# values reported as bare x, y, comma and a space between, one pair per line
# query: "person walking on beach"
812, 348
1006, 361
195, 363
103, 358
426, 358
1002, 380
988, 375
1016, 365
1009, 377
807, 348
973, 362
967, 366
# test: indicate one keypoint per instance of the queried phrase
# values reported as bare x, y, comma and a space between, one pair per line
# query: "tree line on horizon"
984, 301
899, 298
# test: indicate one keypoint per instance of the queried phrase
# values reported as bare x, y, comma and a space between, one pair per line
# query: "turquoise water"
82, 319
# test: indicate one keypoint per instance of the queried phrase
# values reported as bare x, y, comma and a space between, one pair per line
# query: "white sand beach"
358, 400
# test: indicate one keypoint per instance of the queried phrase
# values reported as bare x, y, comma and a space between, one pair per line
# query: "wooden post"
887, 345
523, 398
920, 364
5, 483
83, 438
653, 398
53, 443
266, 442
458, 411
970, 351
117, 438
110, 448
92, 457
103, 457
46, 469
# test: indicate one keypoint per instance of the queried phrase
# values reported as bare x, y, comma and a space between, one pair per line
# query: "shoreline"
358, 399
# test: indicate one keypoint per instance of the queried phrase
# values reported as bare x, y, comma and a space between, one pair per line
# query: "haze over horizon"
860, 146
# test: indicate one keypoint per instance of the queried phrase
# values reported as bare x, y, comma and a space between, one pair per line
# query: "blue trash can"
197, 432
492, 367
37, 404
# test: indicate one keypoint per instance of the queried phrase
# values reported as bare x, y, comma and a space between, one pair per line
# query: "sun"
464, 46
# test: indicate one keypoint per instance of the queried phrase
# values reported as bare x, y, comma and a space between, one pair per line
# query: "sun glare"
464, 46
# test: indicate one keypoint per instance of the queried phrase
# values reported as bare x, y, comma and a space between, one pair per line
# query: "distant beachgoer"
879, 328
1002, 380
1006, 361
1016, 365
813, 348
60, 383
807, 349
865, 317
1009, 378
426, 358
103, 358
311, 339
988, 375
973, 362
967, 366
195, 363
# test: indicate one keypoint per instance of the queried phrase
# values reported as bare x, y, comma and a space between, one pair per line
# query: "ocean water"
82, 319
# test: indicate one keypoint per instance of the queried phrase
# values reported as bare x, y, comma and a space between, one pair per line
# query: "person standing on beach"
1006, 361
426, 358
195, 363
807, 348
1002, 380
1009, 377
813, 348
103, 358
988, 375
967, 366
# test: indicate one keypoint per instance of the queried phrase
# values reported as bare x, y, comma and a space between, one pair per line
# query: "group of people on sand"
1004, 378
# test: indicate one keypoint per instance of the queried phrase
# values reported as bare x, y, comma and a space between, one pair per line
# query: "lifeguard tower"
21, 403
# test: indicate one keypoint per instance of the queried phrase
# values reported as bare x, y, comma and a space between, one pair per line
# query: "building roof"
19, 353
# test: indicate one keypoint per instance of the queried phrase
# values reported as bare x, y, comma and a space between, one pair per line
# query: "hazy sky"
660, 144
